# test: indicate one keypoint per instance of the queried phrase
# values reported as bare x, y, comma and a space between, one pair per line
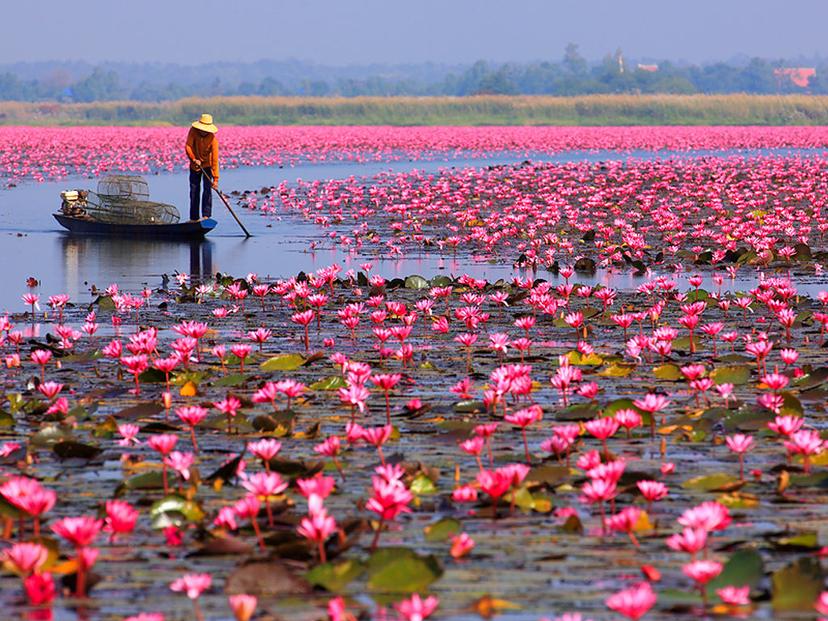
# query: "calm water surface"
33, 244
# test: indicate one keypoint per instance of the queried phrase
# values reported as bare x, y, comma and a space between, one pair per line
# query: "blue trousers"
197, 181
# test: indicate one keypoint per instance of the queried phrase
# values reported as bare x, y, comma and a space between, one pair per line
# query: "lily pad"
716, 482
266, 578
70, 449
335, 577
283, 362
736, 375
423, 486
416, 282
744, 568
442, 529
333, 382
146, 480
401, 570
668, 372
797, 586
174, 504
235, 379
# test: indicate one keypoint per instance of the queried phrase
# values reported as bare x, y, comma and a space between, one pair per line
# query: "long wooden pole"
227, 204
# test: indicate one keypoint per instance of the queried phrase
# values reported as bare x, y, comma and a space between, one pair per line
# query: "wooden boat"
121, 208
180, 230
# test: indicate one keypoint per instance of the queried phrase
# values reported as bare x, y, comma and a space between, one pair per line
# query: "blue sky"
364, 31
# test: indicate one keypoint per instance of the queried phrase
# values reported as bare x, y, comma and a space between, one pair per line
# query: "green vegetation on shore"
475, 110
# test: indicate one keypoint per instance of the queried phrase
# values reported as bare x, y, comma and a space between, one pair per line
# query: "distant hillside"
572, 74
475, 110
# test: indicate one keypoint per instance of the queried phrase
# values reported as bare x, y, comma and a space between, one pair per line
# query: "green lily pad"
442, 529
416, 282
716, 482
736, 375
146, 480
441, 281
166, 511
802, 541
469, 407
401, 570
335, 577
422, 486
668, 372
744, 568
797, 586
333, 382
235, 379
283, 362
815, 378
617, 370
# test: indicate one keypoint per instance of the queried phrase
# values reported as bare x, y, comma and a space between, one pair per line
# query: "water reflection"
91, 261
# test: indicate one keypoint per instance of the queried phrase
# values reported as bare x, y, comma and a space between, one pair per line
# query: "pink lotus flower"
415, 608
243, 606
633, 602
40, 588
193, 585
734, 596
461, 545
120, 518
26, 558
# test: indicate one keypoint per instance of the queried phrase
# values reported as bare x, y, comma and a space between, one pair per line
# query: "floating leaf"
141, 410
441, 281
146, 480
236, 379
744, 568
803, 541
579, 411
668, 372
797, 586
716, 482
334, 382
167, 511
739, 500
548, 475
442, 529
69, 449
422, 486
416, 282
790, 405
283, 362
266, 579
696, 295
736, 375
189, 389
226, 545
579, 359
488, 606
813, 379
335, 577
617, 370
401, 570
469, 407
50, 435
153, 376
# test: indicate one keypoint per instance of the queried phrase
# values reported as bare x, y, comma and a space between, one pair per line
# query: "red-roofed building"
799, 76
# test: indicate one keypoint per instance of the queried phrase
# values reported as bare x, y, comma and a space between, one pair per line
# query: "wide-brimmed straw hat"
205, 123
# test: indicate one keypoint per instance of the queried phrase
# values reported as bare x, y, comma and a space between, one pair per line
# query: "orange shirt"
204, 149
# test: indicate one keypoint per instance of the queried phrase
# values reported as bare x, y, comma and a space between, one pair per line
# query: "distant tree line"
571, 75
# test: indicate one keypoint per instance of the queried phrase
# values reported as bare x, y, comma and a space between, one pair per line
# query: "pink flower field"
343, 445
54, 152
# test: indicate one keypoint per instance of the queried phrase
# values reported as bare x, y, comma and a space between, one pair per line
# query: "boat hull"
181, 230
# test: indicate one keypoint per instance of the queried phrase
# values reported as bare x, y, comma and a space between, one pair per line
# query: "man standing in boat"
202, 149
